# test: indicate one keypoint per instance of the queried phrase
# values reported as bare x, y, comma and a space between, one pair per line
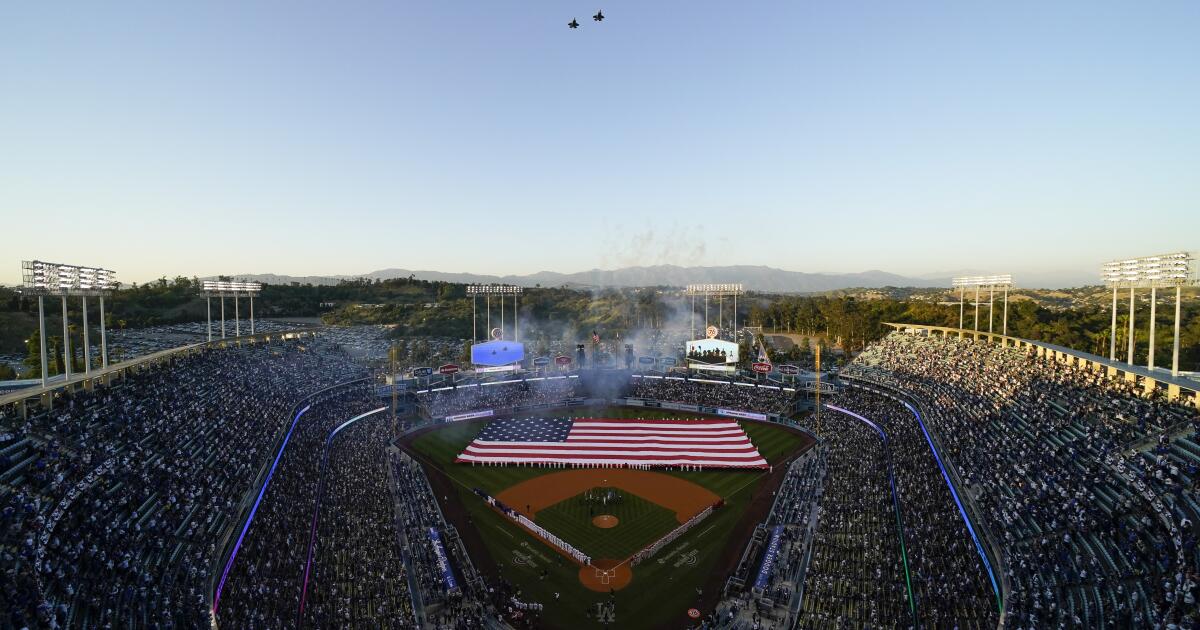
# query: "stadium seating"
359, 576
713, 394
264, 585
855, 575
1094, 532
133, 484
478, 396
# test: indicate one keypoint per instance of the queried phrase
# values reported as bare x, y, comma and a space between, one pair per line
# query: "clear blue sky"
156, 138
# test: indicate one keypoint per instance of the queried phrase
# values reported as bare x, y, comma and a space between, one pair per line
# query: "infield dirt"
678, 495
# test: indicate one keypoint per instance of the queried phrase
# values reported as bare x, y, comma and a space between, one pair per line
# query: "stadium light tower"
720, 291
42, 278
992, 283
1176, 270
223, 289
487, 291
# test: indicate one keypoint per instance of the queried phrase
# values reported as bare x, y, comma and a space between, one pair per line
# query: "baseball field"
610, 515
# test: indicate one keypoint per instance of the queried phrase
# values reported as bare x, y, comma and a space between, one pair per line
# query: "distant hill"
755, 278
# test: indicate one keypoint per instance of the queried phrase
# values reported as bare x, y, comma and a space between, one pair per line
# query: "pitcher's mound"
605, 521
605, 575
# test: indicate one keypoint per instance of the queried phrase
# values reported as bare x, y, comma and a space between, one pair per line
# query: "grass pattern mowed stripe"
641, 522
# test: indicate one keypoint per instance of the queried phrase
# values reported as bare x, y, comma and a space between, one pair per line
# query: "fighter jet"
599, 17
573, 23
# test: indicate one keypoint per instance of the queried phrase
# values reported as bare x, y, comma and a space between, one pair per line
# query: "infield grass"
639, 523
663, 588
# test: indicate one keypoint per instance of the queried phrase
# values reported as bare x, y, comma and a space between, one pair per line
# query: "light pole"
87, 347
1112, 342
1176, 270
993, 282
487, 291
103, 337
1005, 332
1130, 325
1153, 315
720, 290
43, 278
235, 289
1174, 353
977, 308
962, 301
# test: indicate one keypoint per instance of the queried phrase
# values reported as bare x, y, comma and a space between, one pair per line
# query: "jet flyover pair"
599, 17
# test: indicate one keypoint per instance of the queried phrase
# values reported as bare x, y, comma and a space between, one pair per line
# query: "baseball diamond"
646, 504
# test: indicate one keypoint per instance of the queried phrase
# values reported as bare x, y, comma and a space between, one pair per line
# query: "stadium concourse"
953, 484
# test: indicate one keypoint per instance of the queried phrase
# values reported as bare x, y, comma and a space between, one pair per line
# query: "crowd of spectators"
358, 573
949, 579
509, 395
113, 501
263, 587
777, 603
1093, 533
462, 605
855, 577
723, 394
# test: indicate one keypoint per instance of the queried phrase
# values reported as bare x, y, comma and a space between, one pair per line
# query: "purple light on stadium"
250, 519
961, 509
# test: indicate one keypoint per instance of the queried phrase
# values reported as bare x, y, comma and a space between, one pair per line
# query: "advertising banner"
487, 413
768, 561
443, 562
496, 368
737, 413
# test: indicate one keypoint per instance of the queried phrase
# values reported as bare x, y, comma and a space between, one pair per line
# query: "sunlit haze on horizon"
316, 139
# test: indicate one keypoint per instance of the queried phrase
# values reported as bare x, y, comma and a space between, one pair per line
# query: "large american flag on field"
610, 441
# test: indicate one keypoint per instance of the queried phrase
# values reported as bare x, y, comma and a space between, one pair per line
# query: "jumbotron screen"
712, 352
499, 352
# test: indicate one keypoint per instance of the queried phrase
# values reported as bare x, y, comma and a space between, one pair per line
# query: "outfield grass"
640, 523
663, 588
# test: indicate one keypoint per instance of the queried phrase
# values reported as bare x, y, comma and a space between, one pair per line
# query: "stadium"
939, 477
688, 316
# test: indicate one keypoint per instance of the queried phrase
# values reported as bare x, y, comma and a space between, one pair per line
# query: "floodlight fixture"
983, 281
991, 283
230, 288
494, 289
43, 278
732, 288
1177, 270
47, 278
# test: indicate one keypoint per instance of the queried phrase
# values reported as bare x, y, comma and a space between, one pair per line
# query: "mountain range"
754, 278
